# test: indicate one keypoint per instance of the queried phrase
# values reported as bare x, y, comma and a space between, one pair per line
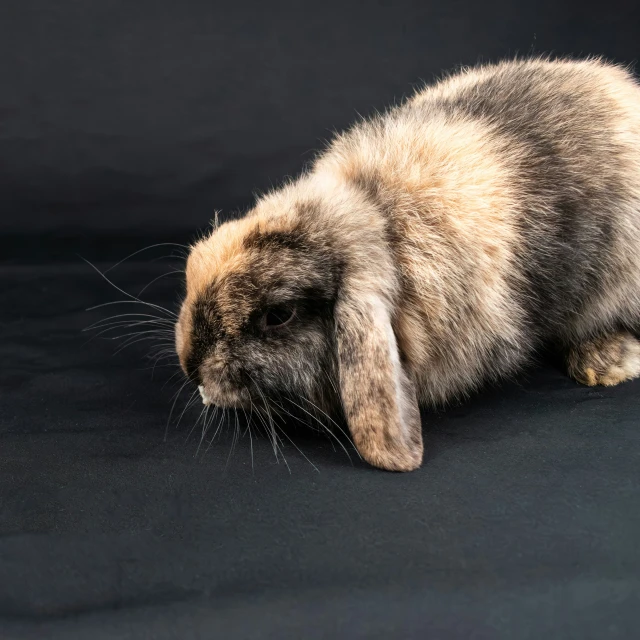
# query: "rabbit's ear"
378, 396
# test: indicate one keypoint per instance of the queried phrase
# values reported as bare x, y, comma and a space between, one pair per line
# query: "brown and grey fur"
431, 249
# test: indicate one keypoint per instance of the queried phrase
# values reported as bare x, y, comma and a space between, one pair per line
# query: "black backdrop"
125, 123
141, 118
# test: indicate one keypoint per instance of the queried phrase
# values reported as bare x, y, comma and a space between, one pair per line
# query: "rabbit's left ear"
378, 396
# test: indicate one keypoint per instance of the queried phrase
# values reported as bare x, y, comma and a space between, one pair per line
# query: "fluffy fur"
431, 249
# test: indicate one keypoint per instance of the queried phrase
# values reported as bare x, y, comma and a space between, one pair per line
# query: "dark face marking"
269, 324
274, 240
207, 329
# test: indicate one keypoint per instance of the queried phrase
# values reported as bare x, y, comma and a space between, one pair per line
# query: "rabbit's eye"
278, 316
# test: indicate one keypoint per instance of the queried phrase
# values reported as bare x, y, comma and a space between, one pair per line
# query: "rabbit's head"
294, 304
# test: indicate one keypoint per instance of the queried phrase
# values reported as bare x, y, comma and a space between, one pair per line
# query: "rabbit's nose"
205, 398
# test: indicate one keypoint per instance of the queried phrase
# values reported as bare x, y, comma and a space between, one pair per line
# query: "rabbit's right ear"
378, 396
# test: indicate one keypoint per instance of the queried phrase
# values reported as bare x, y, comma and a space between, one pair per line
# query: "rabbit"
430, 250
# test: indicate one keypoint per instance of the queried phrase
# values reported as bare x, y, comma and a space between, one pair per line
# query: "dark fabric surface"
121, 118
523, 523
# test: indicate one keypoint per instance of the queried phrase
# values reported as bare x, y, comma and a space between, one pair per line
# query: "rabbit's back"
512, 194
